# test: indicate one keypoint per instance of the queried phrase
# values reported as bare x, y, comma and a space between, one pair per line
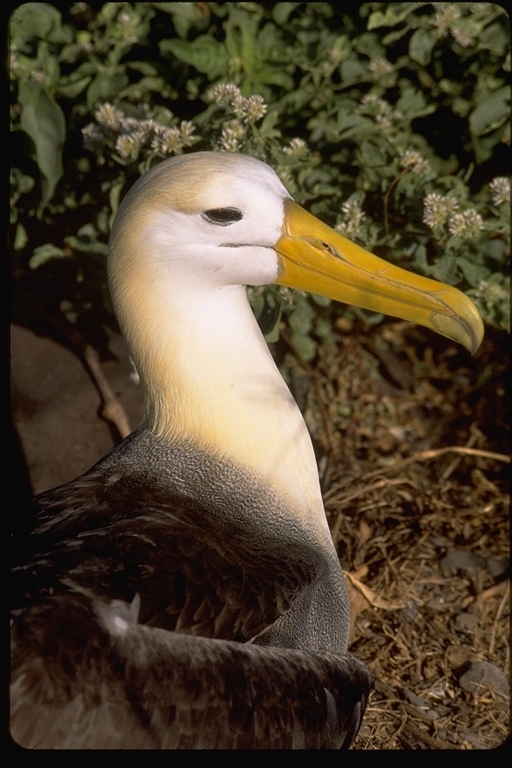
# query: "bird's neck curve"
209, 380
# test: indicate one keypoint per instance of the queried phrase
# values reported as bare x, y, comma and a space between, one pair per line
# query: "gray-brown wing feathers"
109, 682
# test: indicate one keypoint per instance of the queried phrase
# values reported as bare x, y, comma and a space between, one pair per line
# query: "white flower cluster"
492, 293
130, 134
352, 218
249, 109
382, 110
440, 211
413, 160
448, 19
447, 14
437, 209
94, 138
286, 177
380, 67
223, 93
232, 136
167, 140
481, 9
296, 148
335, 56
500, 190
466, 224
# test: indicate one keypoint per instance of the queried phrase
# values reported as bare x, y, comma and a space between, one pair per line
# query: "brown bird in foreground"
185, 592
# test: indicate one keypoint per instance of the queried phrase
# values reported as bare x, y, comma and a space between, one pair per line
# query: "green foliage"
388, 120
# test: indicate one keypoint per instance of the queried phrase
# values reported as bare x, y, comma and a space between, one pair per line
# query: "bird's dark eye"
223, 216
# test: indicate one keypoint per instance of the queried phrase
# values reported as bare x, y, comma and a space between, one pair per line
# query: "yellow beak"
317, 259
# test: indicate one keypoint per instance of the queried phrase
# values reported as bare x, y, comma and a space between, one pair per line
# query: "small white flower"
129, 143
250, 109
369, 99
167, 140
384, 122
285, 176
380, 67
352, 218
232, 136
229, 143
462, 34
335, 56
500, 190
223, 93
466, 224
446, 15
419, 166
186, 131
94, 138
109, 116
482, 9
492, 293
297, 148
437, 209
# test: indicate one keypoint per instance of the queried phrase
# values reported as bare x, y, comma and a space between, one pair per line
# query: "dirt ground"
412, 437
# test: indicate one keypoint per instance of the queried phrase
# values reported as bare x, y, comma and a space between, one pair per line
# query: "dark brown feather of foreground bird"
141, 624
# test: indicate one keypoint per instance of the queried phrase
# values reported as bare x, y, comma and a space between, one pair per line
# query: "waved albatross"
185, 592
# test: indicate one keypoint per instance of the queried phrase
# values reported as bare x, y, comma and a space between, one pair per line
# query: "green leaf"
40, 20
105, 87
42, 119
144, 85
301, 318
494, 38
394, 14
322, 301
352, 69
185, 15
267, 310
490, 113
305, 346
71, 90
144, 67
496, 249
21, 237
204, 53
474, 273
86, 240
370, 155
445, 269
281, 11
421, 45
44, 253
413, 103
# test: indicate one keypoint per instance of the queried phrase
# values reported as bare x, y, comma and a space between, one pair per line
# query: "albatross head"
219, 219
187, 239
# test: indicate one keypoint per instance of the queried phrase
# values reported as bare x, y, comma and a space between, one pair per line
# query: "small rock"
384, 689
466, 622
409, 613
497, 566
483, 674
457, 560
418, 701
473, 738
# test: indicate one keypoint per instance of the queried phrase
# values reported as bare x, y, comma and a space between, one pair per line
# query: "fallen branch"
112, 409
